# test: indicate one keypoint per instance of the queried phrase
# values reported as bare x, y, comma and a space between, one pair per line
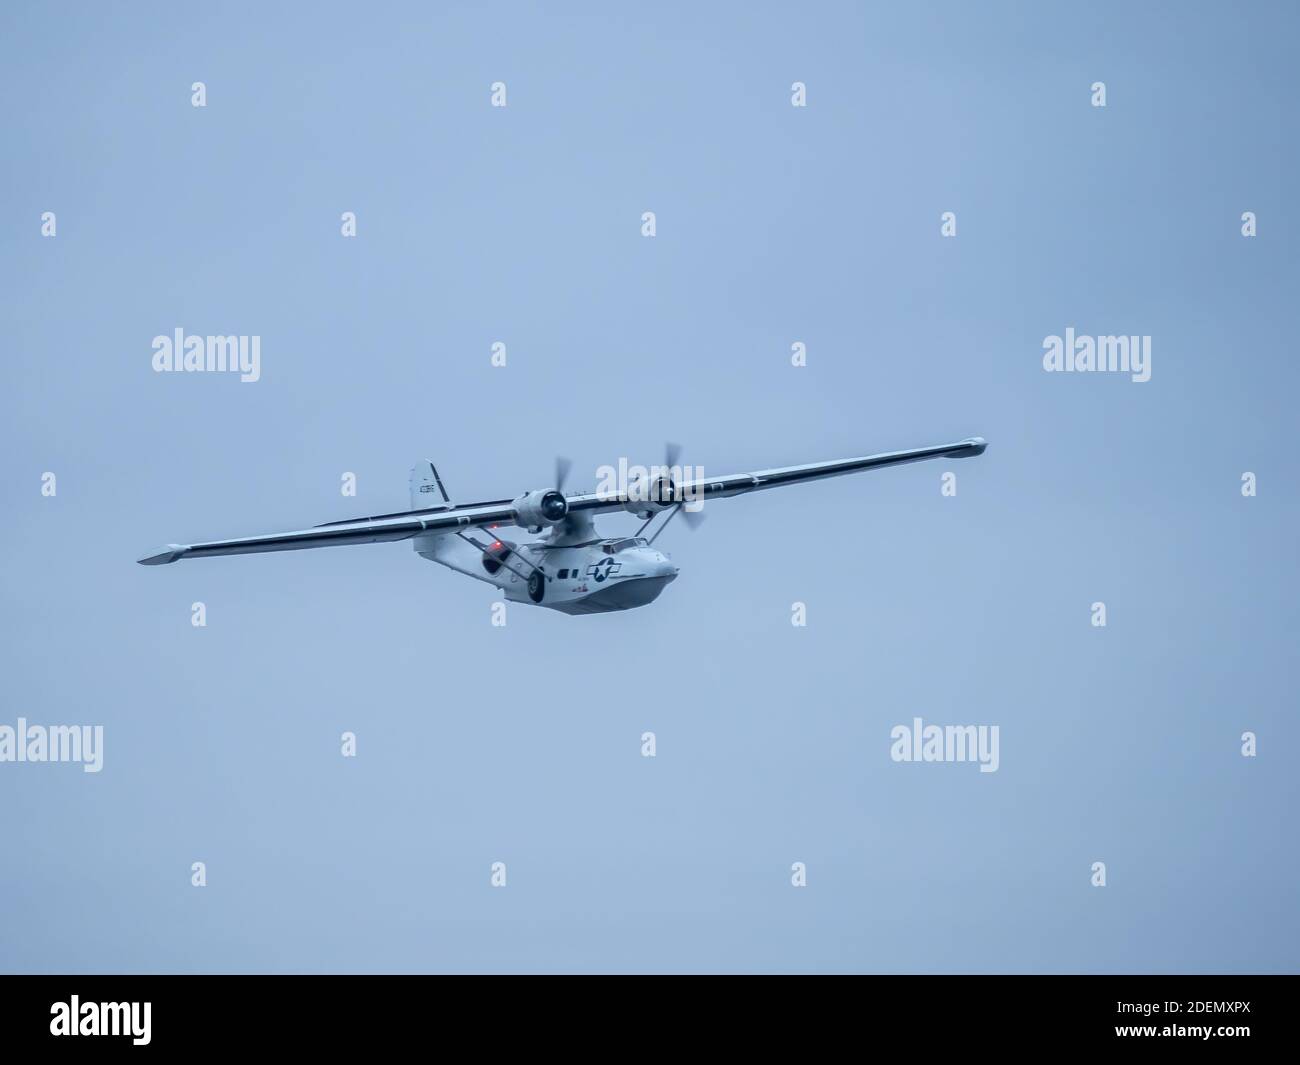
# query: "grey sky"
775, 224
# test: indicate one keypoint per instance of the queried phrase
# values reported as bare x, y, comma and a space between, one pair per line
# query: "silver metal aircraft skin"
572, 569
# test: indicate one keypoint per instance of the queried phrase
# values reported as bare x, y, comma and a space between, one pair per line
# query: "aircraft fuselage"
592, 577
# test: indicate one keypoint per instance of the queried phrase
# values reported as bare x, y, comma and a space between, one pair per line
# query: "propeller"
693, 518
672, 459
665, 485
562, 467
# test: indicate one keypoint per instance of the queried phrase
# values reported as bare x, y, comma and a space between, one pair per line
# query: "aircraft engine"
535, 510
647, 498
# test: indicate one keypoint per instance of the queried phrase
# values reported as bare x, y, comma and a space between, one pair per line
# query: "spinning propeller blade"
562, 467
672, 460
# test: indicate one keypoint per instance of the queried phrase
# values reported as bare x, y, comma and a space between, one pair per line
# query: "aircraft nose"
660, 565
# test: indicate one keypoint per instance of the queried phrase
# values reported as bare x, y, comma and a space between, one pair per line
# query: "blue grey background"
775, 224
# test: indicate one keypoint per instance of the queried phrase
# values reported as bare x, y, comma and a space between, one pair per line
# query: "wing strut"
671, 514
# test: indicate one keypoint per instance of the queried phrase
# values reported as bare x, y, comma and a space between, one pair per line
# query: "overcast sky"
775, 225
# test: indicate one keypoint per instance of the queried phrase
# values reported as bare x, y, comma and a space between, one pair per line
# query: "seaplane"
570, 568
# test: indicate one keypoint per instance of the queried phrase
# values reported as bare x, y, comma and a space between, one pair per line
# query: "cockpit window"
615, 546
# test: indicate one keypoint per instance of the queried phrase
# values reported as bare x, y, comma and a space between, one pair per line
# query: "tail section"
427, 491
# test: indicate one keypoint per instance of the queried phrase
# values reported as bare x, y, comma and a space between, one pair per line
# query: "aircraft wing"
739, 483
386, 528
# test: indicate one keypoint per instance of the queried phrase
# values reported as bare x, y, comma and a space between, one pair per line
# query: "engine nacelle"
535, 510
647, 498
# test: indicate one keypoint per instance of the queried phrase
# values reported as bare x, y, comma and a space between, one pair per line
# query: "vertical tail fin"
427, 491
